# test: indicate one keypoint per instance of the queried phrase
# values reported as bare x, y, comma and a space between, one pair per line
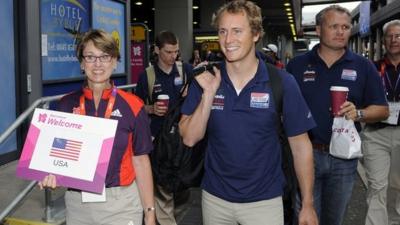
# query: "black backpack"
175, 166
291, 186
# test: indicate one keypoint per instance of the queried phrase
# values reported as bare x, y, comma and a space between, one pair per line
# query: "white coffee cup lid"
339, 88
162, 97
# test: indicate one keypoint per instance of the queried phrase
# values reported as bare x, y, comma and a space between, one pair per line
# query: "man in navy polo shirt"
243, 179
170, 77
328, 64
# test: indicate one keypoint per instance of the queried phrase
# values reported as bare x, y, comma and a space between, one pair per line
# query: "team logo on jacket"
116, 113
218, 102
348, 74
157, 88
178, 81
309, 75
259, 100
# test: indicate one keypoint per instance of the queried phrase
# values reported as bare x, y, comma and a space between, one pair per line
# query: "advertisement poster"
110, 16
7, 84
61, 23
139, 41
137, 60
73, 147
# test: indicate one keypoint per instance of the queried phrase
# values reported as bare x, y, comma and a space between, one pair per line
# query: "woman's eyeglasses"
92, 58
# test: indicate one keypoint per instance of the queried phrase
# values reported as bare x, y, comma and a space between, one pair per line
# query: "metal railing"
44, 103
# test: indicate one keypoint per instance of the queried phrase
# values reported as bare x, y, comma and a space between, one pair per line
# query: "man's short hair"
165, 37
319, 18
389, 24
252, 11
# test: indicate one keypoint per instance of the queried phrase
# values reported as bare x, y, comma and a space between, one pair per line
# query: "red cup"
164, 99
338, 97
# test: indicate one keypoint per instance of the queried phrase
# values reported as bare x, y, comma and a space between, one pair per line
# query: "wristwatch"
360, 115
149, 209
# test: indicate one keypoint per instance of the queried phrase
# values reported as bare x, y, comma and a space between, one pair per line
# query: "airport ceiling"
275, 15
275, 18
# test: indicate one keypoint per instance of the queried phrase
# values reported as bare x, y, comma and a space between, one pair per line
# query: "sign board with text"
139, 50
73, 147
62, 22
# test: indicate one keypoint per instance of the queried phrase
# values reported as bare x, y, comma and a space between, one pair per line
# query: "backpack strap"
182, 74
151, 77
179, 65
276, 86
287, 158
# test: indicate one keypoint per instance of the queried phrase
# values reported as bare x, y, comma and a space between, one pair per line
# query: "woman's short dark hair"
101, 40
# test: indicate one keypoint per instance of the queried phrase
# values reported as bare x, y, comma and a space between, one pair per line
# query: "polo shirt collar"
88, 93
386, 60
160, 71
348, 55
261, 76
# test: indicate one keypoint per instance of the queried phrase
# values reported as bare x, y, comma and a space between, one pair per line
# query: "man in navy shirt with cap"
243, 180
328, 64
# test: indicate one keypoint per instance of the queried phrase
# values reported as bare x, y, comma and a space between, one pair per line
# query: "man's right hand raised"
209, 82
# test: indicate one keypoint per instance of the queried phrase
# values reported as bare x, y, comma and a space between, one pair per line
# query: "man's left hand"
348, 109
308, 216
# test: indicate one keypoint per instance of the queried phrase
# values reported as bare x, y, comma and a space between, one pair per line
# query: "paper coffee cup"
164, 99
338, 97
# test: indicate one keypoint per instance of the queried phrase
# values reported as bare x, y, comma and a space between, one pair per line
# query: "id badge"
394, 109
94, 197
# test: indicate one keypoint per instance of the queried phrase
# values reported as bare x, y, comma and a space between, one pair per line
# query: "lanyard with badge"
394, 106
88, 196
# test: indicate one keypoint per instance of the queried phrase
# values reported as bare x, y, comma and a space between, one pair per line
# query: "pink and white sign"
137, 60
73, 147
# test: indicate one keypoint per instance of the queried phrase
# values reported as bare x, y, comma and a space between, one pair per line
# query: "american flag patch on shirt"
66, 149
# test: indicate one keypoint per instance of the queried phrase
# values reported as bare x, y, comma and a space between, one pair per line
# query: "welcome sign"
75, 148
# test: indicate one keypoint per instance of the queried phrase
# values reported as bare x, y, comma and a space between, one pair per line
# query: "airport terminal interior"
38, 66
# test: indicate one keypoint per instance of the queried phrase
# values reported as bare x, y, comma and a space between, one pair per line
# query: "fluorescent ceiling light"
206, 38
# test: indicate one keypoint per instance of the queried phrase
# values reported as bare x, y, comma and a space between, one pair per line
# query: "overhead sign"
138, 33
365, 17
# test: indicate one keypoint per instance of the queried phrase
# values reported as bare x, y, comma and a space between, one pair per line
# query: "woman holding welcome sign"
129, 182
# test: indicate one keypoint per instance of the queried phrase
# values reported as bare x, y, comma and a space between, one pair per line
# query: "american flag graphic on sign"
66, 149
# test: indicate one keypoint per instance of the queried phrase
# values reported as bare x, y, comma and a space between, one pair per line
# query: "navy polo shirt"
243, 156
167, 84
315, 79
